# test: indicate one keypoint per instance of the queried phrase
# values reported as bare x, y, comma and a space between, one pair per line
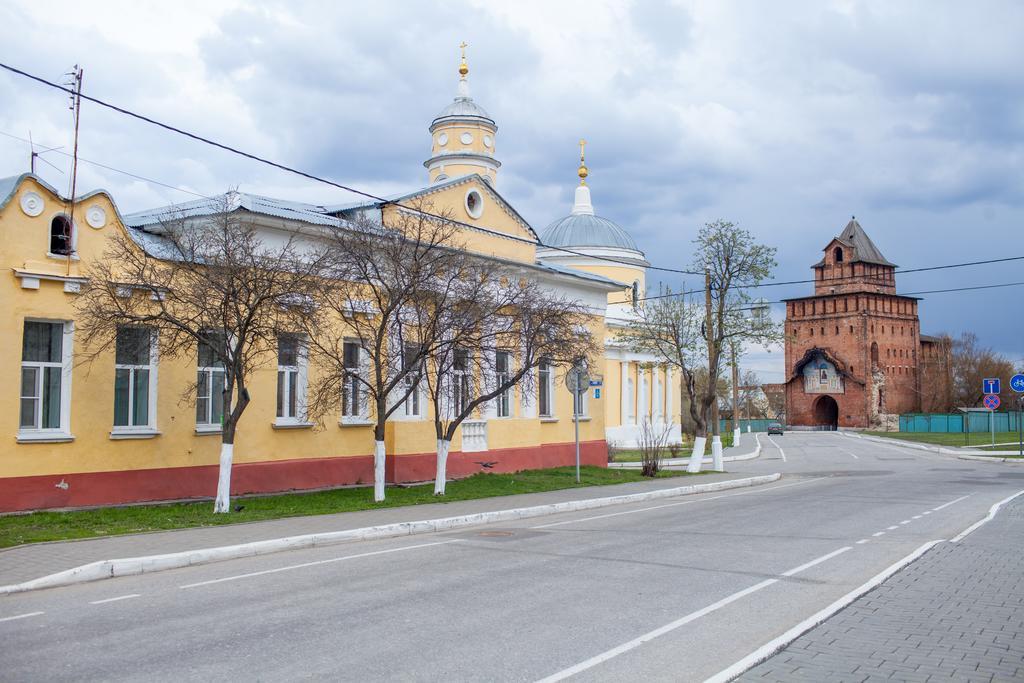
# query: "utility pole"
735, 398
76, 108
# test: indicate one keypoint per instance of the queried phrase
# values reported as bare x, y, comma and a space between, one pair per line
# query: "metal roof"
463, 107
233, 201
864, 250
587, 230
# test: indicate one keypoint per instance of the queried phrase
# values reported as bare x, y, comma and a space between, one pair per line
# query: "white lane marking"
22, 616
120, 597
313, 564
906, 521
682, 621
823, 558
852, 455
916, 517
879, 533
927, 512
685, 502
987, 518
950, 503
863, 541
781, 452
890, 528
773, 646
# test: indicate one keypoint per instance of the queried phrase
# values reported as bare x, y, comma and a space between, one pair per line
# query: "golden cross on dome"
582, 172
463, 67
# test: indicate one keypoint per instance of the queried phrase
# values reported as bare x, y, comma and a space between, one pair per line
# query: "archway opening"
826, 412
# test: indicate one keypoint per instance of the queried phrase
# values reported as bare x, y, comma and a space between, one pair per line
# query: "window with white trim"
414, 401
502, 361
291, 379
579, 403
134, 379
462, 374
211, 380
45, 369
62, 236
545, 388
353, 401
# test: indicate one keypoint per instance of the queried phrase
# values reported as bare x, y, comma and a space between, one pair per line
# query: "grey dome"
463, 107
586, 230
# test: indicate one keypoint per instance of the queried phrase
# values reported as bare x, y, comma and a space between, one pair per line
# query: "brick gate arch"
826, 412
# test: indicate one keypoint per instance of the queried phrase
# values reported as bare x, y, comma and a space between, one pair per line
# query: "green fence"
755, 425
974, 422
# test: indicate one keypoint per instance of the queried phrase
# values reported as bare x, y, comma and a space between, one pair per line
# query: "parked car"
776, 428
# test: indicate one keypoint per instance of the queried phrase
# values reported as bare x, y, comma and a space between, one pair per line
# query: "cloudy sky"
786, 117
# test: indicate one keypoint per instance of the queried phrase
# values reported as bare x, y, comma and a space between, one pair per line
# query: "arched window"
838, 254
61, 236
874, 353
635, 293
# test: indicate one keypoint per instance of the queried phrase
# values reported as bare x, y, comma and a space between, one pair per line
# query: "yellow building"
116, 429
638, 388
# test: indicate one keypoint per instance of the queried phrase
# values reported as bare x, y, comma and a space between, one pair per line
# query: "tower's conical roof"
864, 250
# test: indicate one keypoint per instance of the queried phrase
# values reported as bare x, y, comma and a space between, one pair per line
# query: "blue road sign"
1017, 383
991, 401
597, 393
990, 385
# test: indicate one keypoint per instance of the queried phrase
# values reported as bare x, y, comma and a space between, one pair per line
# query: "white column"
643, 410
656, 395
669, 386
624, 397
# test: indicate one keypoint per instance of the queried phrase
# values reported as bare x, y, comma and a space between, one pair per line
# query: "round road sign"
991, 401
1017, 383
577, 380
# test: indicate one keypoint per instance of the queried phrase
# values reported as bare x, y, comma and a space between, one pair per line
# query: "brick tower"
852, 348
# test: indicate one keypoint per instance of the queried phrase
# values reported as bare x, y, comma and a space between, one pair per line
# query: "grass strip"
18, 529
951, 439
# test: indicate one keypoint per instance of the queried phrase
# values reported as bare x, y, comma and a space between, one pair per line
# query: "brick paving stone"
956, 614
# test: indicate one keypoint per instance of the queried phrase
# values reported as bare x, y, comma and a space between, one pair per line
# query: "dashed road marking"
946, 505
118, 598
890, 528
863, 541
879, 533
22, 616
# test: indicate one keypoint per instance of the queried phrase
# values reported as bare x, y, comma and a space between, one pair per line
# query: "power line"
111, 168
310, 176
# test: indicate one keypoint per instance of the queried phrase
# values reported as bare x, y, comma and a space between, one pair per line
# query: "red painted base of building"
177, 483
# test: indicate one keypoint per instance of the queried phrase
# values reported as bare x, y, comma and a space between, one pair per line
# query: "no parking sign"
991, 402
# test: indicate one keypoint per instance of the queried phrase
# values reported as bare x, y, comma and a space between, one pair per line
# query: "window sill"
355, 422
63, 257
45, 437
292, 425
134, 434
584, 418
203, 430
548, 420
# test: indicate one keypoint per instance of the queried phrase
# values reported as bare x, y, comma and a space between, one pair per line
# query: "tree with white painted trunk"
497, 334
208, 287
388, 278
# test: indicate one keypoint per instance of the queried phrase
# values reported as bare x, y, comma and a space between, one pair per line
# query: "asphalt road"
669, 590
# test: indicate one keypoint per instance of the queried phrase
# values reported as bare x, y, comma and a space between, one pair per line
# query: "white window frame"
73, 254
546, 384
361, 414
209, 370
285, 416
63, 431
149, 428
503, 401
581, 404
462, 381
414, 403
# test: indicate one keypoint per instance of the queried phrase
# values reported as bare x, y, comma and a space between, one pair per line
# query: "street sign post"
992, 402
990, 385
577, 381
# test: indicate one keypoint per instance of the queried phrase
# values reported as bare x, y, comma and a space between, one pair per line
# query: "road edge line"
773, 646
131, 566
992, 511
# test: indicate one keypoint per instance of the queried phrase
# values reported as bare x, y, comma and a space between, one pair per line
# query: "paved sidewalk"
24, 563
957, 613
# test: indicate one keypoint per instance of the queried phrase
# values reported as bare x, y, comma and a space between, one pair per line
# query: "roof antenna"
38, 155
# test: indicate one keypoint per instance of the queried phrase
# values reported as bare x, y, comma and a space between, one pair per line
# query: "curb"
131, 566
937, 449
685, 461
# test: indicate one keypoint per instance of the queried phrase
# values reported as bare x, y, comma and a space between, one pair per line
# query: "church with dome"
92, 439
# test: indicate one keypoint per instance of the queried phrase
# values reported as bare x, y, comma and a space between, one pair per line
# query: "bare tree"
502, 328
651, 443
208, 288
382, 319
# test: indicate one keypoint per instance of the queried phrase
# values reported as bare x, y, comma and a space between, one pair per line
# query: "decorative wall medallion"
466, 138
488, 141
442, 139
31, 203
96, 216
